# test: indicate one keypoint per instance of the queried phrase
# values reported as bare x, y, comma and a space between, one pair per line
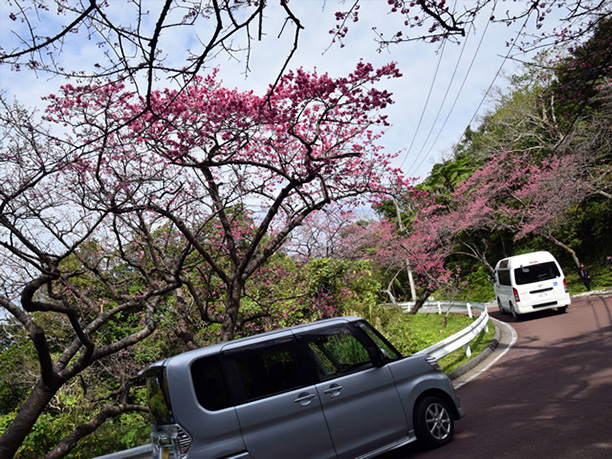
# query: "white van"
530, 282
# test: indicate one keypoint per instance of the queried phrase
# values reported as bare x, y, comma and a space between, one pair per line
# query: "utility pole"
408, 270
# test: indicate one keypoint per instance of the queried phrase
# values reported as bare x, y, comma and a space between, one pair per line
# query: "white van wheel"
513, 312
501, 308
562, 309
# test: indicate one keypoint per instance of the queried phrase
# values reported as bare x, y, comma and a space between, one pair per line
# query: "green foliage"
478, 287
16, 361
127, 431
445, 176
412, 333
47, 432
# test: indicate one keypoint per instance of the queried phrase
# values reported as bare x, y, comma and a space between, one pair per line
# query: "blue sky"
424, 128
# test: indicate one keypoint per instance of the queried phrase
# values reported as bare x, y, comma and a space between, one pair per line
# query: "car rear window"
157, 395
536, 273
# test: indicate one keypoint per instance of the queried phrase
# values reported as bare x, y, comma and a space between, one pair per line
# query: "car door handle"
334, 390
305, 398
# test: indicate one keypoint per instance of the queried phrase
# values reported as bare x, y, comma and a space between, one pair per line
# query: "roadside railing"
461, 338
140, 452
438, 350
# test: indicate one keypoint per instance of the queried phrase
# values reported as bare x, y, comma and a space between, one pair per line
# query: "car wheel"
433, 423
501, 308
515, 316
562, 309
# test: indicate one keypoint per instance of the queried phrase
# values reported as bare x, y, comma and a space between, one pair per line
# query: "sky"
442, 91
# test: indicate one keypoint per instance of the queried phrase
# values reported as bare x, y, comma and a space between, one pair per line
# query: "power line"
433, 81
433, 124
460, 88
497, 73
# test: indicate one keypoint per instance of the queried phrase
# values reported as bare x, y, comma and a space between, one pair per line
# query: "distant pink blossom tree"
321, 234
521, 195
422, 247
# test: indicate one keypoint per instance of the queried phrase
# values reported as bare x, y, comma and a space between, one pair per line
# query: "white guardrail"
438, 350
461, 338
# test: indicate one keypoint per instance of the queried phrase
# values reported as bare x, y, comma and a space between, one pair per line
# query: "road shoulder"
503, 340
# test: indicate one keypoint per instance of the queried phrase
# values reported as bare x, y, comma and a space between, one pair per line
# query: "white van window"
536, 273
503, 277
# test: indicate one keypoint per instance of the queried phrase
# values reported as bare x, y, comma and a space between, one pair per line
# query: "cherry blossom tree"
198, 194
70, 269
320, 235
389, 249
275, 159
516, 194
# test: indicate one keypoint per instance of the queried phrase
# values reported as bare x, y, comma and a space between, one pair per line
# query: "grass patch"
457, 358
601, 279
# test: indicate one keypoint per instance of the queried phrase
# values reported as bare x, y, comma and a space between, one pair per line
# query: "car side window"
209, 383
268, 370
338, 352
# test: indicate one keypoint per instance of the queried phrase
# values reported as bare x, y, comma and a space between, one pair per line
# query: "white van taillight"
565, 285
170, 441
516, 295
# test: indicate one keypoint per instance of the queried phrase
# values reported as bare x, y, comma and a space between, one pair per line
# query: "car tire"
562, 309
433, 423
501, 308
515, 316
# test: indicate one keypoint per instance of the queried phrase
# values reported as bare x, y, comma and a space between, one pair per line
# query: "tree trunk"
182, 329
549, 237
420, 301
232, 308
13, 437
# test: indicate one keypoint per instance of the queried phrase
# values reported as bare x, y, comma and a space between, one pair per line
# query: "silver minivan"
335, 388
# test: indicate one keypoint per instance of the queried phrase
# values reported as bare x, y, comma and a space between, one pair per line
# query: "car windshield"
536, 273
380, 341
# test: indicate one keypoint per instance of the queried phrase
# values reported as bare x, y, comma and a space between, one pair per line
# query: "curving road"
548, 395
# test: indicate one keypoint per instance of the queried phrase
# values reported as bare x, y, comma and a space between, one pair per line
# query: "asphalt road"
546, 392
